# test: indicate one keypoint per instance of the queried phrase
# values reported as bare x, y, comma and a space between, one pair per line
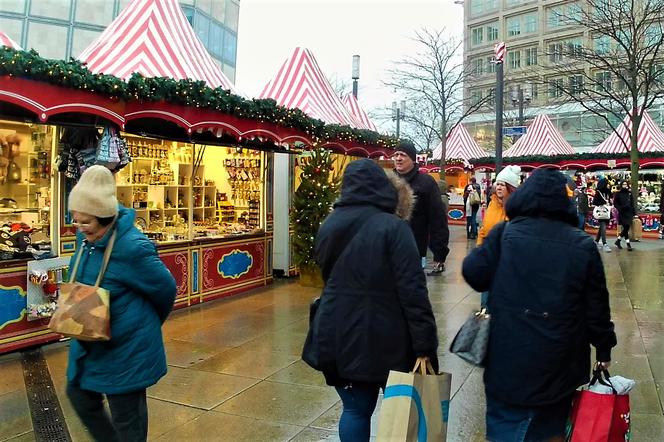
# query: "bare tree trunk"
634, 157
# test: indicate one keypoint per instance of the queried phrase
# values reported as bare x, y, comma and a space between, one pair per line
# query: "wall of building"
60, 29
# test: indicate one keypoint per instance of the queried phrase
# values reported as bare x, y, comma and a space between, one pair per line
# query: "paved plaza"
235, 372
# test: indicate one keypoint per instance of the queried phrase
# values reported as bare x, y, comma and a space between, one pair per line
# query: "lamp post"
355, 73
520, 98
499, 50
398, 113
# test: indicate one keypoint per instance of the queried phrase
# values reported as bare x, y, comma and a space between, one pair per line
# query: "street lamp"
356, 73
519, 98
398, 113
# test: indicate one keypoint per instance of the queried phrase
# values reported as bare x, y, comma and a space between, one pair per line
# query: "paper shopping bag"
599, 417
415, 407
82, 313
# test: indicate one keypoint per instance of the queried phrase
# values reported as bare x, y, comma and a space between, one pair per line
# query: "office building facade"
60, 29
537, 34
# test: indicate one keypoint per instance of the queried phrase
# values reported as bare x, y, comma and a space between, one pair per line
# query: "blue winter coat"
142, 294
548, 297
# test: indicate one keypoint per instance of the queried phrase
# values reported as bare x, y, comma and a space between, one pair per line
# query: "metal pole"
355, 88
520, 106
499, 117
398, 120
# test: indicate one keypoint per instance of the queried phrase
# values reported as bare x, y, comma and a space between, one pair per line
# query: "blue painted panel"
235, 264
12, 305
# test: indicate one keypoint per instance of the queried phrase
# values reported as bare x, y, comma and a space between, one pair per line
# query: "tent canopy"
649, 139
542, 138
460, 145
6, 41
300, 84
153, 38
356, 111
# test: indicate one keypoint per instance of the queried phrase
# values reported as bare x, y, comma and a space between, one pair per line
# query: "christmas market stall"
191, 158
357, 111
460, 149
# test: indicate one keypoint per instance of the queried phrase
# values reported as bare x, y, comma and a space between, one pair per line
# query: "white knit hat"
94, 194
510, 175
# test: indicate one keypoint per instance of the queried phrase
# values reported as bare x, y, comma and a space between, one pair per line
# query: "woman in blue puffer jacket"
142, 294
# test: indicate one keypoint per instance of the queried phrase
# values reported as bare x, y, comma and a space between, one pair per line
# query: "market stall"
460, 149
357, 112
200, 176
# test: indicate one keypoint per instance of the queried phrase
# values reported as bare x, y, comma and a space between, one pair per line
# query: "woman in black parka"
549, 302
624, 204
374, 314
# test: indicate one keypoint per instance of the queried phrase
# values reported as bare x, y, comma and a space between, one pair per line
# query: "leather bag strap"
104, 264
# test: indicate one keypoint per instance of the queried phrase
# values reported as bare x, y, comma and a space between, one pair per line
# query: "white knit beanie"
94, 194
510, 175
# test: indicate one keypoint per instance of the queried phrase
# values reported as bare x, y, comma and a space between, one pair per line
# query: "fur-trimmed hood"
406, 195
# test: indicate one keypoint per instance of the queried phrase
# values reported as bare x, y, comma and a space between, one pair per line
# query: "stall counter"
204, 269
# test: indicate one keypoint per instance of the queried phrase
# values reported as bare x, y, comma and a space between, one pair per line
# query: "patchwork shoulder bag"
83, 311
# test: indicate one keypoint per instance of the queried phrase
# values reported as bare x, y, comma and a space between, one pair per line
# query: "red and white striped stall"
542, 138
153, 38
361, 117
301, 84
649, 139
460, 146
6, 41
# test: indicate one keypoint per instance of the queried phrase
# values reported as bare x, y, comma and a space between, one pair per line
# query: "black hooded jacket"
374, 314
548, 297
624, 203
429, 220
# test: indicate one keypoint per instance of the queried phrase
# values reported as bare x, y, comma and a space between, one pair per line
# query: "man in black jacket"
429, 219
549, 302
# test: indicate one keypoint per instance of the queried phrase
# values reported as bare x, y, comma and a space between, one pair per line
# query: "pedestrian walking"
661, 211
429, 218
374, 314
540, 333
142, 295
602, 197
624, 204
472, 203
582, 205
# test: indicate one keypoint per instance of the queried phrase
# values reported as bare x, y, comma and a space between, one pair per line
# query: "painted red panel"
178, 264
213, 256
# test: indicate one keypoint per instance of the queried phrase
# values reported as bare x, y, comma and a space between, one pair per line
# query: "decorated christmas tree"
312, 202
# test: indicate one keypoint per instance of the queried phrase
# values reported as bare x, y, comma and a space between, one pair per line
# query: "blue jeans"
359, 401
582, 221
471, 224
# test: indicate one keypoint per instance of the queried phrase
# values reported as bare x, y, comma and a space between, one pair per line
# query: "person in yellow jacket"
506, 182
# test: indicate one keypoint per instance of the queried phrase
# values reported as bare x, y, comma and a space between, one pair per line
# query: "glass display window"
26, 155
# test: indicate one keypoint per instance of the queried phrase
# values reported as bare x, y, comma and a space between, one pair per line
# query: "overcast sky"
379, 31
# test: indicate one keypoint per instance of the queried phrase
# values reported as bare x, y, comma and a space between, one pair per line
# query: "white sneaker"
599, 245
607, 248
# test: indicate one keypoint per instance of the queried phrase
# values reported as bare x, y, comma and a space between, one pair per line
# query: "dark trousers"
128, 421
624, 233
601, 232
582, 221
359, 401
471, 224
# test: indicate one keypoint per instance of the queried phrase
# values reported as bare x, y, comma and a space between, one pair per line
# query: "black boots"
619, 245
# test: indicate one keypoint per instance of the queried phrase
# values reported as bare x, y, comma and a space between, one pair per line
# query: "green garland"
560, 158
74, 74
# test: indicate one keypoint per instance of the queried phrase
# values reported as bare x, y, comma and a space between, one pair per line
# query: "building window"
555, 52
476, 7
654, 34
477, 66
534, 91
491, 96
490, 65
189, 14
556, 88
514, 59
564, 15
531, 57
492, 31
530, 23
475, 97
602, 44
575, 84
477, 36
603, 81
575, 48
230, 47
513, 26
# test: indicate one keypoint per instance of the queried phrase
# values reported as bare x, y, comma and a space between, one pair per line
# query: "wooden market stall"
201, 174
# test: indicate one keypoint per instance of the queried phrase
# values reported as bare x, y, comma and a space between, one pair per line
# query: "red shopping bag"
598, 417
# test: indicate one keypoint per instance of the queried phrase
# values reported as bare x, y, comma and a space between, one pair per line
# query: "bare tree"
433, 78
618, 70
416, 123
340, 86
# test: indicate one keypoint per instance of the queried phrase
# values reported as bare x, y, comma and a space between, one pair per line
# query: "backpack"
474, 198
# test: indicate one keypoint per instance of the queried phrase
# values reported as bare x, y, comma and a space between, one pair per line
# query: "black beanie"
408, 148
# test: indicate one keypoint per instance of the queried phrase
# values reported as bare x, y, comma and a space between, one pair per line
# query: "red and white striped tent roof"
542, 138
6, 41
356, 111
460, 145
649, 139
153, 38
300, 83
